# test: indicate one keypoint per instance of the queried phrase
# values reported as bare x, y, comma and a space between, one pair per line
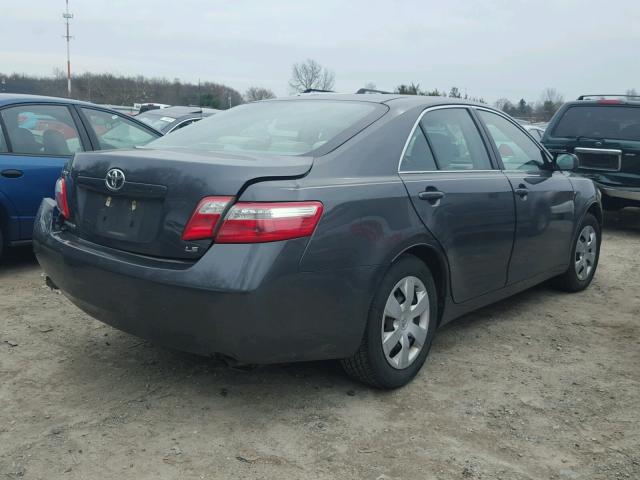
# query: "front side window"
456, 142
417, 156
516, 149
292, 127
41, 130
115, 131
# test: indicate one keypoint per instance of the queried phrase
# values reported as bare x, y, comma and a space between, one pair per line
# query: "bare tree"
254, 94
310, 74
552, 95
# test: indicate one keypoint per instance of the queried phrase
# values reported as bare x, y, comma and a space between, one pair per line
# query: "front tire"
400, 327
585, 253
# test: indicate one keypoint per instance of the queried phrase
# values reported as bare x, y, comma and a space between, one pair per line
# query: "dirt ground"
545, 385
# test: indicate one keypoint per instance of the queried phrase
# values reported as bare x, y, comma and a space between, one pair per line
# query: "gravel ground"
544, 385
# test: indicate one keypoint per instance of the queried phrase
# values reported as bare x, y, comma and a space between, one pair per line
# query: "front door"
544, 200
462, 199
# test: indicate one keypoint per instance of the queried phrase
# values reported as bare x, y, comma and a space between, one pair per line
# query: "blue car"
38, 135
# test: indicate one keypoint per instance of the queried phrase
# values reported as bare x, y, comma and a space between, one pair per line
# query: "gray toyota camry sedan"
318, 227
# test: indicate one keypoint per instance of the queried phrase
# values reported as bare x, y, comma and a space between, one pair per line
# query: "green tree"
412, 89
524, 109
209, 100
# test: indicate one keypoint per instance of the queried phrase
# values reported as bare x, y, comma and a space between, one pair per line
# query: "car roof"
605, 102
10, 98
178, 111
396, 100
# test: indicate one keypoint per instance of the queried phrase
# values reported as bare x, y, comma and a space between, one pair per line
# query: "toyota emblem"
114, 179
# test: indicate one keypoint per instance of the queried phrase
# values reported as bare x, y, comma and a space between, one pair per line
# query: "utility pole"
68, 16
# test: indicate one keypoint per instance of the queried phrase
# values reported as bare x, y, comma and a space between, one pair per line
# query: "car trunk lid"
145, 212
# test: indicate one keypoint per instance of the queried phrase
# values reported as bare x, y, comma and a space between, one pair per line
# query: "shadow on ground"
16, 260
625, 220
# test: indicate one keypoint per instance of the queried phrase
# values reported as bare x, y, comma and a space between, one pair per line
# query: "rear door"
40, 140
544, 200
464, 201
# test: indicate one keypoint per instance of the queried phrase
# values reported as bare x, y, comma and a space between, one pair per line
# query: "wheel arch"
596, 210
437, 264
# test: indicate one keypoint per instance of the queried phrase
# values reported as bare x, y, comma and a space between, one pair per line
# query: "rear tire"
584, 257
400, 328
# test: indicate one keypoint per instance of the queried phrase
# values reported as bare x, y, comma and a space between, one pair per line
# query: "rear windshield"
614, 122
154, 120
294, 127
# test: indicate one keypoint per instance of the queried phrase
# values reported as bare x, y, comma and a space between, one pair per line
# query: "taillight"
269, 222
252, 222
61, 197
609, 101
205, 218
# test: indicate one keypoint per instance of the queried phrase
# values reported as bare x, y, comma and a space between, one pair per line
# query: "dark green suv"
603, 131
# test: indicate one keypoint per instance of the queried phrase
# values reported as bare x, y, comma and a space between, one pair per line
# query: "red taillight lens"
61, 198
269, 222
205, 218
611, 101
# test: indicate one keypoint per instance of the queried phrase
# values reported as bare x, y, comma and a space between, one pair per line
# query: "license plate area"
599, 159
122, 218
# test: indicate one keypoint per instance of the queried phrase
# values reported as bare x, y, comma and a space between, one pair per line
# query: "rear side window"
292, 127
602, 121
41, 130
417, 156
455, 140
116, 131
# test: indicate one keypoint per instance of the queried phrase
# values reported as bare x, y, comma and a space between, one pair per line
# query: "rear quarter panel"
368, 216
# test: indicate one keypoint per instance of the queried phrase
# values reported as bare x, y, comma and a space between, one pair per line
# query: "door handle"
11, 173
431, 195
522, 190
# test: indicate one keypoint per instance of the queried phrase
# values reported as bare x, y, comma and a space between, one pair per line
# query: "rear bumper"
249, 302
624, 193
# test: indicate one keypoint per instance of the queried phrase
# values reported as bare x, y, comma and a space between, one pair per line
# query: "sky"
489, 48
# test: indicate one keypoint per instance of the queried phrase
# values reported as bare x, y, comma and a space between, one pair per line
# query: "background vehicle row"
38, 136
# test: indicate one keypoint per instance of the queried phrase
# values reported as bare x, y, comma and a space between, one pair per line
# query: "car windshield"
293, 127
610, 121
155, 120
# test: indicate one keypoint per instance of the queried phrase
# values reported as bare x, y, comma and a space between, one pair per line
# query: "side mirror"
567, 162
